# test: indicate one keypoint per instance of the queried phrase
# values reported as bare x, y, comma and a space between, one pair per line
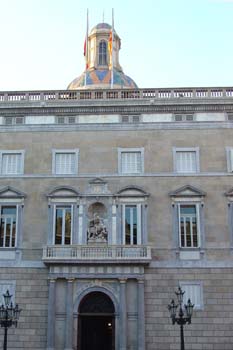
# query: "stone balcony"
94, 254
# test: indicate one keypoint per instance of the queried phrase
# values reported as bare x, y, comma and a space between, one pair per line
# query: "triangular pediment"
10, 192
63, 192
132, 191
187, 191
229, 193
97, 181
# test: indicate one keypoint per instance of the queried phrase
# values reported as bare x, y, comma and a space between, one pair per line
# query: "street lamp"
184, 314
9, 315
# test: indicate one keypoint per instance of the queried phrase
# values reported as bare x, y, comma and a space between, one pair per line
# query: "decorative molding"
187, 191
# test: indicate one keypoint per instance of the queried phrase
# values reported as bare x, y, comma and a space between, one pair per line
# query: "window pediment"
10, 192
187, 191
229, 193
132, 191
63, 192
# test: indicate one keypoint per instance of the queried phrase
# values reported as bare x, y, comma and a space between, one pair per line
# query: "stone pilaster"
141, 316
123, 315
51, 315
69, 315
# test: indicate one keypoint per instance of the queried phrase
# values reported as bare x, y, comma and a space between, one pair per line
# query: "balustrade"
156, 94
106, 252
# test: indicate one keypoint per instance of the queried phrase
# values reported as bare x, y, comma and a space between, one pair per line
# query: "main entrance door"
96, 323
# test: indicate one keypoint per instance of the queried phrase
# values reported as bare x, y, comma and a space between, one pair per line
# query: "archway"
96, 322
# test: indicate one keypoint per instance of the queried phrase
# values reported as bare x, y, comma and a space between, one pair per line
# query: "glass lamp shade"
7, 297
180, 295
189, 309
172, 309
2, 313
16, 312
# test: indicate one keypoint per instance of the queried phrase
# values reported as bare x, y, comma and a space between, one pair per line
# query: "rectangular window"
188, 226
131, 224
8, 226
229, 159
130, 161
12, 163
194, 292
63, 225
186, 160
65, 162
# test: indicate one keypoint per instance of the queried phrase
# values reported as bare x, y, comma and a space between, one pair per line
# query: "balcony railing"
96, 253
80, 95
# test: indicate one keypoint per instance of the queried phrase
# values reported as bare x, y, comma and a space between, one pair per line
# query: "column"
141, 316
69, 315
123, 315
51, 315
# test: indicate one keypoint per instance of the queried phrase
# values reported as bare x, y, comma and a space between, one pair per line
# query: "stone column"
51, 315
123, 315
141, 316
69, 315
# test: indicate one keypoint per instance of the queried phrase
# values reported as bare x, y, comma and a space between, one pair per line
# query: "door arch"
96, 322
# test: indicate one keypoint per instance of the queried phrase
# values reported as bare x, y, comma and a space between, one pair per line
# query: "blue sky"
165, 43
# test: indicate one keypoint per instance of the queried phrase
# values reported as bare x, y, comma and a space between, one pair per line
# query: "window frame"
197, 207
139, 224
130, 150
195, 150
8, 152
62, 206
65, 151
199, 284
103, 55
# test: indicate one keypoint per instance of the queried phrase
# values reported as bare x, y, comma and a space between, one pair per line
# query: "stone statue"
97, 231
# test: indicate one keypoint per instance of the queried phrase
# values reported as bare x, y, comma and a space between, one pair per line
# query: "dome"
101, 26
97, 78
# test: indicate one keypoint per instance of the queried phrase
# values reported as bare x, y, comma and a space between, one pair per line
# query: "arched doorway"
96, 322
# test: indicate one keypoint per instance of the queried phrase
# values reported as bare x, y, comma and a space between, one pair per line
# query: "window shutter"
231, 159
11, 163
65, 163
186, 162
131, 162
194, 293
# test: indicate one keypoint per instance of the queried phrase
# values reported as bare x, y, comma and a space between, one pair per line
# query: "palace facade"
112, 196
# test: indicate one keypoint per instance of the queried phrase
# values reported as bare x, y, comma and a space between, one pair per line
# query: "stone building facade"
110, 199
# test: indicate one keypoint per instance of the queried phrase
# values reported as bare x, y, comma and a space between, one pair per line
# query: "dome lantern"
99, 61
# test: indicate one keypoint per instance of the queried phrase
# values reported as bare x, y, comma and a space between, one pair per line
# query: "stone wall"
211, 328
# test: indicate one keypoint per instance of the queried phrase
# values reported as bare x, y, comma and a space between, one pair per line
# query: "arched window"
102, 53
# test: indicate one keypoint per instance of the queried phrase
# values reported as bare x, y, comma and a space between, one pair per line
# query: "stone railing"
96, 253
155, 94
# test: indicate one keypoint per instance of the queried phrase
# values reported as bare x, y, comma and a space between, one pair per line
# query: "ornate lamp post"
9, 316
184, 314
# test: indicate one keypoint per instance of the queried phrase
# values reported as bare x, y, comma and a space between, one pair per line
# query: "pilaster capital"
123, 280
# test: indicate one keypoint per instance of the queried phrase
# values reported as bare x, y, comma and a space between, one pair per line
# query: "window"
11, 211
130, 161
188, 222
12, 162
14, 120
102, 53
186, 160
229, 152
65, 162
188, 226
183, 117
230, 117
66, 120
63, 225
194, 292
8, 226
132, 209
131, 224
130, 118
63, 214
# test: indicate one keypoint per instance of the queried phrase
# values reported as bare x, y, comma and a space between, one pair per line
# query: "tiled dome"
97, 78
